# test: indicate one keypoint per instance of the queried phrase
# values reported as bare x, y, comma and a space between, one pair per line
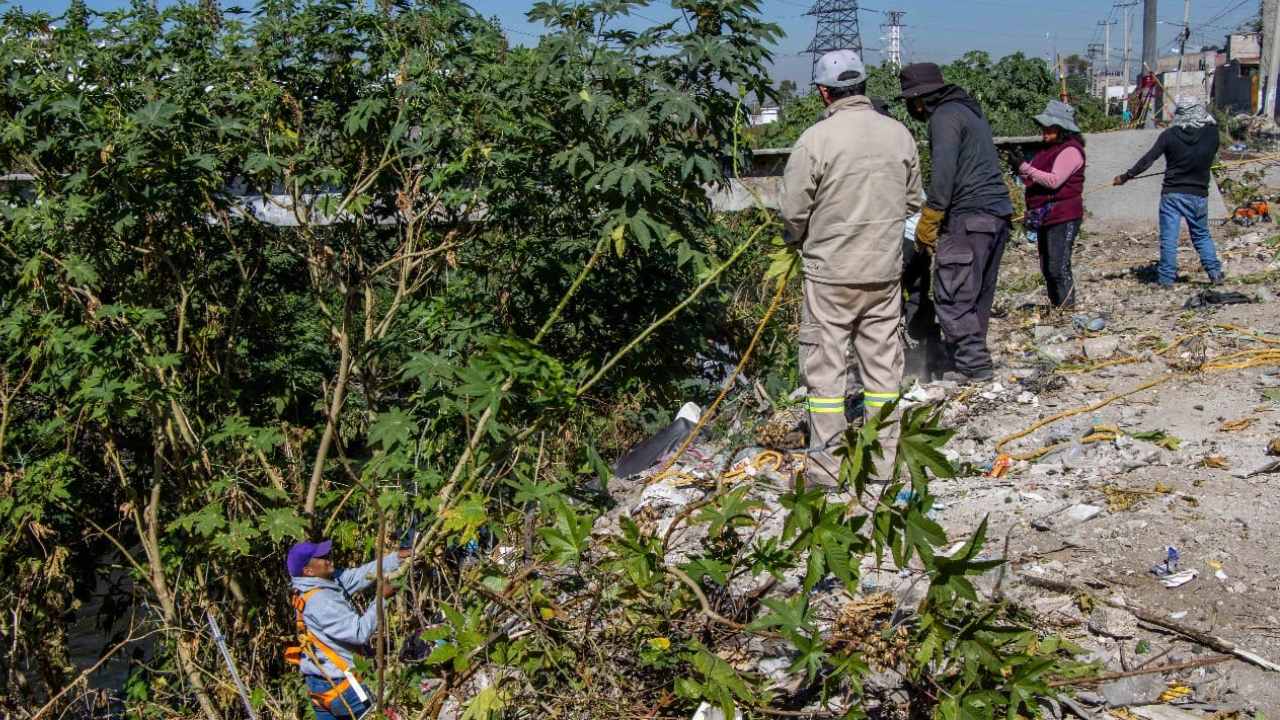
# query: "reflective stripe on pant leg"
877, 400
826, 405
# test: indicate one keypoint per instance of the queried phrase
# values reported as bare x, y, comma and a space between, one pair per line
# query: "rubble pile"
1095, 505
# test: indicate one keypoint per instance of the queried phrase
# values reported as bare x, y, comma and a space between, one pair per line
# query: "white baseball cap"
839, 68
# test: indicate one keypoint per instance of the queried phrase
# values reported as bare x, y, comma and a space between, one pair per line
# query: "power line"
836, 29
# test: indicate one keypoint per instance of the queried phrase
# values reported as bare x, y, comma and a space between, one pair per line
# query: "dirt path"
1224, 525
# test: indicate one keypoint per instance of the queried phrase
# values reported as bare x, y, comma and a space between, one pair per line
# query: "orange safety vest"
307, 645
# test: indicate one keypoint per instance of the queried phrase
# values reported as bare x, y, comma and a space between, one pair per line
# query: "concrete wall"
1109, 154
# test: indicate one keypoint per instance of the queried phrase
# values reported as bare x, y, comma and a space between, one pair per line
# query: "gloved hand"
928, 228
1120, 180
1017, 157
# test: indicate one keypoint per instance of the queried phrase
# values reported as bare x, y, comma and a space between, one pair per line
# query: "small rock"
1113, 623
1273, 447
1101, 348
1059, 352
1264, 295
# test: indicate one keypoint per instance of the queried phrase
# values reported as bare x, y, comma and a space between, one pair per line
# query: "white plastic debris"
1179, 579
706, 711
1083, 513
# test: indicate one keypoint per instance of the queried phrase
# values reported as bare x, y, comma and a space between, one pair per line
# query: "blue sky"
937, 30
941, 30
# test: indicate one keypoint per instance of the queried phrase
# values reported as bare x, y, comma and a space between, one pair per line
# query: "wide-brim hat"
920, 79
1059, 114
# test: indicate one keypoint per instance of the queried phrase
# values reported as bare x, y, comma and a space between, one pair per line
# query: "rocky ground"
1192, 492
1189, 492
1182, 465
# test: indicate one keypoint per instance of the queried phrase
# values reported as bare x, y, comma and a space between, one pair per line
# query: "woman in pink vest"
1055, 204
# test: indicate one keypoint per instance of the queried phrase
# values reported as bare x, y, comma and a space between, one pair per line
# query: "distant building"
765, 115
1235, 84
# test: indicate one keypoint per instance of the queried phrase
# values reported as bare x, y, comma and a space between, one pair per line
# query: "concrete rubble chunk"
1083, 513
1101, 348
1133, 690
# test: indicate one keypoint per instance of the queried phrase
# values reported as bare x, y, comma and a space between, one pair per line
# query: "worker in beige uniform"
851, 181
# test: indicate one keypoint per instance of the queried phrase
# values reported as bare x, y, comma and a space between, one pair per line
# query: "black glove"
1017, 156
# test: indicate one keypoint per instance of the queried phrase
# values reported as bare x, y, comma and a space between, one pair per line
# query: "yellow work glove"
927, 229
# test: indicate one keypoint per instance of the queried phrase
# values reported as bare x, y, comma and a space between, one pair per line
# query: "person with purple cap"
331, 630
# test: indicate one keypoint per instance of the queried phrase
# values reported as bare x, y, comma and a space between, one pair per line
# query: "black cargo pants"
967, 265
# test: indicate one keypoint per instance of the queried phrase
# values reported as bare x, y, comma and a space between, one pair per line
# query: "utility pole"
837, 29
1182, 46
1150, 51
1124, 80
1106, 66
1273, 66
895, 36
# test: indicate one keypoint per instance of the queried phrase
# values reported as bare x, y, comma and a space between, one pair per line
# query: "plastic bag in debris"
1179, 579
655, 449
1170, 564
1206, 298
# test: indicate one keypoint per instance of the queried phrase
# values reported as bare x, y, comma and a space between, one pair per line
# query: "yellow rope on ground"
1127, 360
1083, 409
731, 381
1094, 437
1235, 361
1248, 332
1177, 342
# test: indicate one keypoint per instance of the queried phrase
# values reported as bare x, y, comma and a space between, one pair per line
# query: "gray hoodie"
332, 618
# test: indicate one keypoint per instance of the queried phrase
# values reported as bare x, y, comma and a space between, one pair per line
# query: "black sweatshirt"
966, 169
1188, 155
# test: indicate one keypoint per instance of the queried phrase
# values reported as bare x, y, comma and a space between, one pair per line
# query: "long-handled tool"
231, 666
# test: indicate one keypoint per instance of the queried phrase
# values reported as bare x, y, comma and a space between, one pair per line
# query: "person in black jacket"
965, 218
1189, 149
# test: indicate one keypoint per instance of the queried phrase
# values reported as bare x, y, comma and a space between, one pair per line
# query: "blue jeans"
1174, 208
338, 710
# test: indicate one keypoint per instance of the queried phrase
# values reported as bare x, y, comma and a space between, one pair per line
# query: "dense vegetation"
491, 267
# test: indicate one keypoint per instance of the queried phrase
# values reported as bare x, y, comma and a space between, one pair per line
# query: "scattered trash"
1158, 437
1176, 691
1180, 615
707, 711
1083, 513
1220, 575
1179, 579
1206, 298
657, 448
1139, 690
1084, 322
1000, 467
1170, 564
1217, 462
1237, 425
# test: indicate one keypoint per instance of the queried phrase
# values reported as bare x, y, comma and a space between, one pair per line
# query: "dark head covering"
920, 79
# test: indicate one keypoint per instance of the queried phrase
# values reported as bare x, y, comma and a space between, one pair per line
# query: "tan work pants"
871, 316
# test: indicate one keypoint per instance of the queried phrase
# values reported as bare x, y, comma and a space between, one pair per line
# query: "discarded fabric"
1206, 298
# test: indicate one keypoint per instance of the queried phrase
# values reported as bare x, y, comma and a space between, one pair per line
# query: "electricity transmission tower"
895, 36
837, 29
